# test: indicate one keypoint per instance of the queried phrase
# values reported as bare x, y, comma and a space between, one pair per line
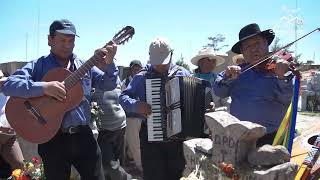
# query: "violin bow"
266, 57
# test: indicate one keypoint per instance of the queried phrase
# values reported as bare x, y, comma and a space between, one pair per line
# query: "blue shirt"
257, 97
137, 88
211, 77
26, 83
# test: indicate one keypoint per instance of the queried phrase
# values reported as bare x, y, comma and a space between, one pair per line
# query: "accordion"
178, 107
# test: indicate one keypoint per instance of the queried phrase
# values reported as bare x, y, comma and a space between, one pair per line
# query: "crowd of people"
258, 95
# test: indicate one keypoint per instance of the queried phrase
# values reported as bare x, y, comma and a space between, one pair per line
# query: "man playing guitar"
74, 143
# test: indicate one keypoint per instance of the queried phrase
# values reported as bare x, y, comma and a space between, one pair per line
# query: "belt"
72, 129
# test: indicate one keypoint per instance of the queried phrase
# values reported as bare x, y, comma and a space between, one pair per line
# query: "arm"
284, 88
284, 91
107, 80
127, 97
220, 87
21, 84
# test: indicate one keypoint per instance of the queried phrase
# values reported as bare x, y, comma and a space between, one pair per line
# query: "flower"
16, 173
229, 170
32, 170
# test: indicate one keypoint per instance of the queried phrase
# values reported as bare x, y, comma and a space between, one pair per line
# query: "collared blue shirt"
137, 88
257, 97
26, 83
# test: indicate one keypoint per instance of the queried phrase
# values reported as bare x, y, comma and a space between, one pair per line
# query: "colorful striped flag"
285, 134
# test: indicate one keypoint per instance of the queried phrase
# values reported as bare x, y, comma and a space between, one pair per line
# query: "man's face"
254, 48
62, 45
135, 69
207, 65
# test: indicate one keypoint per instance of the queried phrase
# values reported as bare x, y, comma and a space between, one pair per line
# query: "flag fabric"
285, 133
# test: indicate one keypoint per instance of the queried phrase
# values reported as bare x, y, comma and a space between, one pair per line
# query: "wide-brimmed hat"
236, 57
249, 31
207, 53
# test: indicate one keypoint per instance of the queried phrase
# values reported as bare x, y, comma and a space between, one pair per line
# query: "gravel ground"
306, 119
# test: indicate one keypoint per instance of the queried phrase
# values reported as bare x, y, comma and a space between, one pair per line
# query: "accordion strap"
174, 71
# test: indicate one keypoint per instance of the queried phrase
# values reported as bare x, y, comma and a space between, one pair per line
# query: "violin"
268, 62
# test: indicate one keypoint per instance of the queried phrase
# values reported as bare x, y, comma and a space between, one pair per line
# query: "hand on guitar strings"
55, 89
105, 55
144, 109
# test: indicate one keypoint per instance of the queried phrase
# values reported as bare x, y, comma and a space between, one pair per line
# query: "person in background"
135, 67
74, 143
258, 95
133, 121
111, 127
10, 151
238, 59
160, 160
207, 60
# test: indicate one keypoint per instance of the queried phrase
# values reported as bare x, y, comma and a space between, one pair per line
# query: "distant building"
306, 67
10, 67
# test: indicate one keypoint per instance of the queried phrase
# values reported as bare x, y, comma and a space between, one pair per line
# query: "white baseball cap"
159, 51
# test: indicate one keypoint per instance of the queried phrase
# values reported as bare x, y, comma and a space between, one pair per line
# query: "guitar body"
38, 119
302, 145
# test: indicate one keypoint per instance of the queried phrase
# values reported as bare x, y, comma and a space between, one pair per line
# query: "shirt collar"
72, 59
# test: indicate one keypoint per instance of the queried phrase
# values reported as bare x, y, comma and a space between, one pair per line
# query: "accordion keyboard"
153, 90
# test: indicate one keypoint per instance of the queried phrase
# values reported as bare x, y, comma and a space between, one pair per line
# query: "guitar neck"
309, 161
71, 80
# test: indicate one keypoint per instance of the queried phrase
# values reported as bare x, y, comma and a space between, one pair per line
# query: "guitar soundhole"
34, 112
312, 139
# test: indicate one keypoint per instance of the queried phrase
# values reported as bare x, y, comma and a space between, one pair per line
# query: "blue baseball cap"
63, 26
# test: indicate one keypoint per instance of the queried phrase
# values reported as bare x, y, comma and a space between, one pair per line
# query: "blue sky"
187, 24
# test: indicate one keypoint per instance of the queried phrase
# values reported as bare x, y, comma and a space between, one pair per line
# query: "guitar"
305, 152
38, 119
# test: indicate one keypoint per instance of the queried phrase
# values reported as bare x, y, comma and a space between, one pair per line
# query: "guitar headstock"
123, 35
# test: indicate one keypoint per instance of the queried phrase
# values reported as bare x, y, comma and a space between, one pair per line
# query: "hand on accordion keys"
144, 108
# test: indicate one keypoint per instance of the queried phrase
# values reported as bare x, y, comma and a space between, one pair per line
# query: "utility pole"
295, 30
26, 46
38, 28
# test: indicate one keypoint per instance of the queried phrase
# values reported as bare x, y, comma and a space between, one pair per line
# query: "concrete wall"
11, 67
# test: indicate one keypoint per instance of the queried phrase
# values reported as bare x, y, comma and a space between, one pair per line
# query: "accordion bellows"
178, 107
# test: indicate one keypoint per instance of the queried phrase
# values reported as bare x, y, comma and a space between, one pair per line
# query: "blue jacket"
136, 90
257, 97
26, 83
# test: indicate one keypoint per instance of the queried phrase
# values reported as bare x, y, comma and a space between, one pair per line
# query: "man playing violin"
258, 95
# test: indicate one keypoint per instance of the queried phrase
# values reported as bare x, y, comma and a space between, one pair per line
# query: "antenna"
38, 27
27, 46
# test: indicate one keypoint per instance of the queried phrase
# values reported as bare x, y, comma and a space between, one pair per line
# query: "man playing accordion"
160, 160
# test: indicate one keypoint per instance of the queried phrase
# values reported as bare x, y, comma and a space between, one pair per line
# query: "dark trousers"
161, 160
79, 149
112, 148
5, 169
